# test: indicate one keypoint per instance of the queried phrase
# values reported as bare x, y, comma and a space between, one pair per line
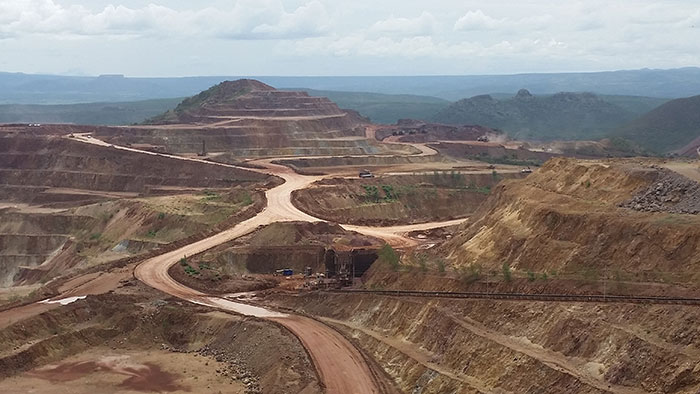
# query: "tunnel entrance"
362, 259
346, 265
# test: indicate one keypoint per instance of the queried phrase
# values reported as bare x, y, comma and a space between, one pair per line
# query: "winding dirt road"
340, 365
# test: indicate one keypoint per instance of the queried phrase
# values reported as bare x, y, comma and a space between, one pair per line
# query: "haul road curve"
340, 365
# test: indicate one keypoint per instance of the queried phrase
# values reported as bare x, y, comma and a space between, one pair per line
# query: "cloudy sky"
345, 37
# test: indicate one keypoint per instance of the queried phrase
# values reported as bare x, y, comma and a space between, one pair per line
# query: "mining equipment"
366, 174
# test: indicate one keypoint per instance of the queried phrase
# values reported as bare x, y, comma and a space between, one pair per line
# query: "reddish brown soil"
147, 377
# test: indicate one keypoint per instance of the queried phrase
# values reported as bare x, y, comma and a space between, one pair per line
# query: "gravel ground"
671, 193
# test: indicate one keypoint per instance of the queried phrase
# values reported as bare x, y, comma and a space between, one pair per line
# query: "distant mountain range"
561, 116
116, 113
539, 113
17, 88
669, 127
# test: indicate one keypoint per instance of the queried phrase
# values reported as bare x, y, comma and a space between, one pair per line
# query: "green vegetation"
668, 127
388, 255
188, 268
440, 263
245, 198
389, 193
506, 272
373, 195
470, 274
531, 276
191, 271
423, 262
95, 236
635, 104
385, 108
121, 113
567, 116
211, 195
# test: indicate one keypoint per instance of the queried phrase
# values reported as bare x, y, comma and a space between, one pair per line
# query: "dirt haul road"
339, 364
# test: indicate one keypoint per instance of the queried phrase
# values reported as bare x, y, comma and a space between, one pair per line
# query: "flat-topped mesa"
247, 98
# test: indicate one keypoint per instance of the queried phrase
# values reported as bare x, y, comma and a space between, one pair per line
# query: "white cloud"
424, 25
307, 20
477, 20
330, 36
425, 47
247, 19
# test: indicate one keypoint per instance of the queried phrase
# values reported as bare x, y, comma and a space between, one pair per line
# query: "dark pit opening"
362, 260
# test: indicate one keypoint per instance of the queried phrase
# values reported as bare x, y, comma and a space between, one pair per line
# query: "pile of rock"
236, 369
671, 193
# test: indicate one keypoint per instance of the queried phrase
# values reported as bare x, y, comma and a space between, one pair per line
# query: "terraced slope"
248, 118
66, 204
566, 217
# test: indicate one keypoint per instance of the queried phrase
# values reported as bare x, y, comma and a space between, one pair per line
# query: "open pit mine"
253, 240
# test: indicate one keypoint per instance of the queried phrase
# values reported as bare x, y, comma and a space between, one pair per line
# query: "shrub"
191, 271
389, 193
506, 272
471, 274
371, 193
388, 255
440, 265
161, 215
530, 276
246, 199
422, 263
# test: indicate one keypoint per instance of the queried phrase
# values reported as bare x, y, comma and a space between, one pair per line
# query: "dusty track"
339, 363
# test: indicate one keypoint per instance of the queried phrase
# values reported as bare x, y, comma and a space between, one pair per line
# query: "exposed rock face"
672, 193
565, 217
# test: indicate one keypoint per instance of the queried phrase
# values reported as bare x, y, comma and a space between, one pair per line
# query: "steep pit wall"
518, 347
62, 163
564, 218
21, 251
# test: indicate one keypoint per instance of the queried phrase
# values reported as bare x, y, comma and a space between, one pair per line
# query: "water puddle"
63, 301
243, 309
